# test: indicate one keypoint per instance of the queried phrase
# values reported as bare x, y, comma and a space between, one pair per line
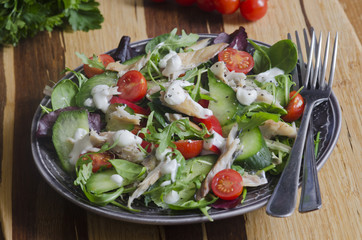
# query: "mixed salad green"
165, 124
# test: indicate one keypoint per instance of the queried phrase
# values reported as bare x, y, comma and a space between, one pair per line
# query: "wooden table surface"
31, 209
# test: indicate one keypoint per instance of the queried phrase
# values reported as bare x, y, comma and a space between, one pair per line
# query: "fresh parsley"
20, 19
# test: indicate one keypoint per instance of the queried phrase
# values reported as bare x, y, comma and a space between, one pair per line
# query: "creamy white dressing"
101, 96
165, 183
163, 61
246, 96
79, 134
125, 138
171, 198
161, 156
81, 144
118, 179
269, 75
172, 64
175, 94
217, 140
89, 102
170, 167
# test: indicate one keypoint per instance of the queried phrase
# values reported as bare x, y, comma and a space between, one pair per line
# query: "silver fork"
283, 200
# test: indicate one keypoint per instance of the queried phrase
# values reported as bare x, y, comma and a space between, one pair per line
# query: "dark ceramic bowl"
327, 120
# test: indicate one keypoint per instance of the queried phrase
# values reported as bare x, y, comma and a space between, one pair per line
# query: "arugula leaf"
255, 120
95, 62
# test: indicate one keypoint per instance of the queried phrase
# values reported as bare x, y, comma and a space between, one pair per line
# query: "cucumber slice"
64, 128
106, 78
226, 104
255, 155
101, 182
200, 165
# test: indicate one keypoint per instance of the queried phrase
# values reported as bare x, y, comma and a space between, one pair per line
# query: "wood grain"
7, 141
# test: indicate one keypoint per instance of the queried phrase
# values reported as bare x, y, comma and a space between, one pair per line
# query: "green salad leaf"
21, 19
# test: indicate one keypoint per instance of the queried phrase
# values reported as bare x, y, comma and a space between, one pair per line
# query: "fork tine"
300, 57
310, 57
317, 63
325, 63
333, 64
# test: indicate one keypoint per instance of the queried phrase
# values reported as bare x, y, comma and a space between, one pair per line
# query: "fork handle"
310, 197
283, 200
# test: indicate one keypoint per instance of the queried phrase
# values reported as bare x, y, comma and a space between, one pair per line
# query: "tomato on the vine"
189, 148
253, 10
235, 60
92, 71
132, 86
227, 184
226, 6
186, 2
206, 5
294, 108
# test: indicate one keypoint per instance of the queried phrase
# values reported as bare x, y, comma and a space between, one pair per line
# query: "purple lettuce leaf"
227, 204
237, 39
46, 123
95, 122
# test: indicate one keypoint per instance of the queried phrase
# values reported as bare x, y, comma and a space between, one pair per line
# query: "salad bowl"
327, 120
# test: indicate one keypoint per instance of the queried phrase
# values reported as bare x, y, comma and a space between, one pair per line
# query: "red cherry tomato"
253, 10
99, 160
294, 108
132, 86
227, 184
204, 103
206, 5
211, 123
136, 108
238, 61
189, 148
185, 2
226, 6
92, 71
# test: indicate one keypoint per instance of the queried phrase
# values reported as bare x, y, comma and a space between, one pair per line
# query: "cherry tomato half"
100, 160
206, 5
185, 2
189, 148
227, 184
132, 86
136, 108
253, 10
211, 123
226, 6
294, 108
238, 61
92, 71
